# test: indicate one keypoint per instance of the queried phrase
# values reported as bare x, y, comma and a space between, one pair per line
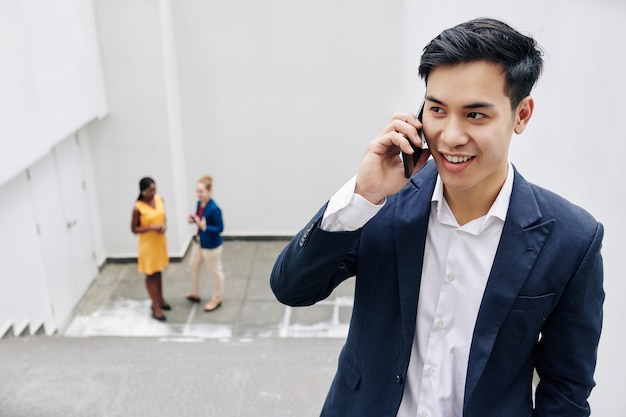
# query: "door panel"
76, 212
53, 238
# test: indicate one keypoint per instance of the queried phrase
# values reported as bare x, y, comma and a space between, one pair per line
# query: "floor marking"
131, 317
192, 313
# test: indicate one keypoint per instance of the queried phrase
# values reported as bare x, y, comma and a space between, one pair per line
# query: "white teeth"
457, 159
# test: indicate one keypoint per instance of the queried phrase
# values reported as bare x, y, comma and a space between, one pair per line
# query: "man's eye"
436, 109
475, 115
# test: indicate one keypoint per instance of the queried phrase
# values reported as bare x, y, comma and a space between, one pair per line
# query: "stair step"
10, 332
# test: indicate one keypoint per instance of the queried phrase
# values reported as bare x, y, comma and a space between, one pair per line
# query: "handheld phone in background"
409, 161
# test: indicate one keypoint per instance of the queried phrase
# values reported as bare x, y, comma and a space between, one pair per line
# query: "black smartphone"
409, 161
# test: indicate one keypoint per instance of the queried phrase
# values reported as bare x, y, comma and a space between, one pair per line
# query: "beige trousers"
213, 260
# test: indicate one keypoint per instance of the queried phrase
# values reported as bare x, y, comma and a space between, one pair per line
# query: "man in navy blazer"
468, 278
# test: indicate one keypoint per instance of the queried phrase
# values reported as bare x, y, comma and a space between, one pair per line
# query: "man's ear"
523, 114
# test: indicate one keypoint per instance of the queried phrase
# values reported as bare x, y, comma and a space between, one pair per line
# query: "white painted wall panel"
50, 77
24, 297
76, 220
46, 201
136, 139
280, 98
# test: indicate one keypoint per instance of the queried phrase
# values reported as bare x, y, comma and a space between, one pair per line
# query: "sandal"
192, 298
159, 318
212, 305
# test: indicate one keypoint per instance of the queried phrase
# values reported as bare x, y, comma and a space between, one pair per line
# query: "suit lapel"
523, 236
411, 223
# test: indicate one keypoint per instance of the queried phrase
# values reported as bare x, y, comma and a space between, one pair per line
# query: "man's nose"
453, 133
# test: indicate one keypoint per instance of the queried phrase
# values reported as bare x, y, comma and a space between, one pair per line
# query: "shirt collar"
498, 209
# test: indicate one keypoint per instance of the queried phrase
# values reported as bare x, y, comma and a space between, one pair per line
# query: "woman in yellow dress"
149, 223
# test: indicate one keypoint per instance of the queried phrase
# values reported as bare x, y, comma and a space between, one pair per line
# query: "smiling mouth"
457, 159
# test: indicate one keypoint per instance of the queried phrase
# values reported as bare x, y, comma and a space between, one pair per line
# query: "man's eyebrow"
478, 105
434, 100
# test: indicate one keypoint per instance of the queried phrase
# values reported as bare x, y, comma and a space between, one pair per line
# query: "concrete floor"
251, 357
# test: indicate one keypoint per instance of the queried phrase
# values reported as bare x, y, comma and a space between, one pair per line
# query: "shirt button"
423, 414
441, 324
398, 379
450, 277
430, 371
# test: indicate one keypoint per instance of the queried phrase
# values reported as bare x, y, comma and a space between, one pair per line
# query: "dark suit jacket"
542, 306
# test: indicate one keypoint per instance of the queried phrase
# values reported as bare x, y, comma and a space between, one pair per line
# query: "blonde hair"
207, 181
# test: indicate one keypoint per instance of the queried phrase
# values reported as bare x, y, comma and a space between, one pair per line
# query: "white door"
71, 179
53, 238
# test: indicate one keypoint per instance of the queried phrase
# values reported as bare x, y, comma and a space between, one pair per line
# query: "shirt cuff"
348, 211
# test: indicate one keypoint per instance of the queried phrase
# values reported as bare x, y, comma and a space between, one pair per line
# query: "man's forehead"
472, 84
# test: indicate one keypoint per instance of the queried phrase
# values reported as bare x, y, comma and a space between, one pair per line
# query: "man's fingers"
381, 172
421, 160
391, 143
409, 118
402, 126
405, 128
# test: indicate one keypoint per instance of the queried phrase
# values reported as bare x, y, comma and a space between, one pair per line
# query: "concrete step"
52, 376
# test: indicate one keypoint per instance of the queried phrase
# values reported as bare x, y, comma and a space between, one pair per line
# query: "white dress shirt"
457, 262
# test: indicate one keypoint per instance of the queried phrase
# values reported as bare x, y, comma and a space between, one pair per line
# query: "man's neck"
476, 201
468, 205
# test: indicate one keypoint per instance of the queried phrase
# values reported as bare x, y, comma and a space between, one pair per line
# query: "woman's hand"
201, 222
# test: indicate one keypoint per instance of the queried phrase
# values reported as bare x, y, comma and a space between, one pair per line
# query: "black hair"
144, 183
491, 40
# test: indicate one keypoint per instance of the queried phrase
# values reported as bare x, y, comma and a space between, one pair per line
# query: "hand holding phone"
410, 161
380, 171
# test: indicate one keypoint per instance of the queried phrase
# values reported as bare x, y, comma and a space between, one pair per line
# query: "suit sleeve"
313, 264
567, 350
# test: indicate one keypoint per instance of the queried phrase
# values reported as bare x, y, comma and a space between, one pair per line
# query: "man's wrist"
371, 198
347, 210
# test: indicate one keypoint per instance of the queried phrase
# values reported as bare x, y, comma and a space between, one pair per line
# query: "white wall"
280, 99
50, 77
50, 86
142, 136
24, 299
97, 223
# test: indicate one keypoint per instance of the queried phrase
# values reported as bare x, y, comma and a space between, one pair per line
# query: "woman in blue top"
207, 245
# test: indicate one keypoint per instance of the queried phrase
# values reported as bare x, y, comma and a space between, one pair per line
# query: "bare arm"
135, 224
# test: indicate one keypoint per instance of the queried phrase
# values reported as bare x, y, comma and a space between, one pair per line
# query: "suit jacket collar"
411, 223
525, 231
